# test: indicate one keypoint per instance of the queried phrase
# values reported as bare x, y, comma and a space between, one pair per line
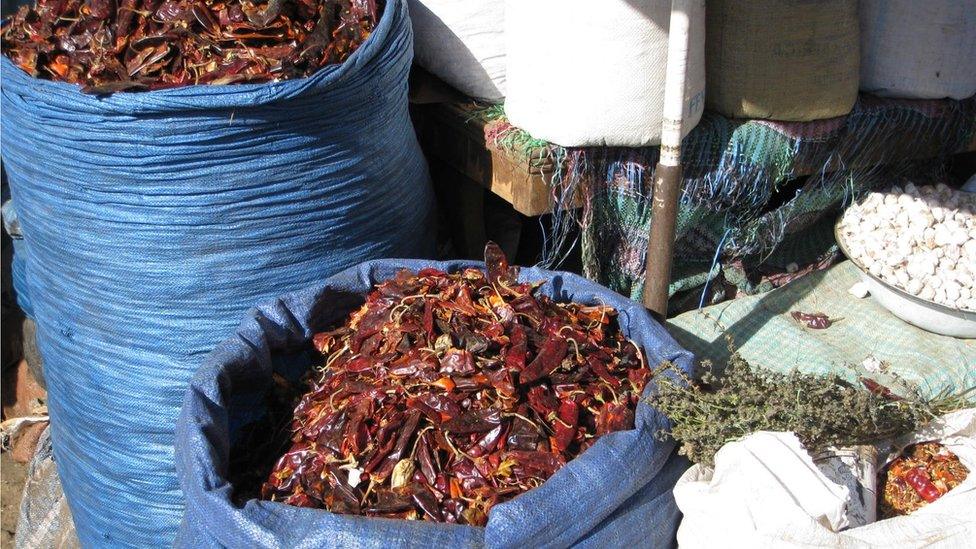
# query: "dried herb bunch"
114, 45
822, 410
446, 394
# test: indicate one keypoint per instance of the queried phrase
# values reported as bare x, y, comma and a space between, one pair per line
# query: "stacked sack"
153, 220
793, 60
463, 44
577, 74
592, 74
918, 50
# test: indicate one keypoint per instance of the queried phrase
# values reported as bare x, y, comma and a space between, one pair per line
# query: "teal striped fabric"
766, 335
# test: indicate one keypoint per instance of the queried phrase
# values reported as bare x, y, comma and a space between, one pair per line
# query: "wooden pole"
667, 174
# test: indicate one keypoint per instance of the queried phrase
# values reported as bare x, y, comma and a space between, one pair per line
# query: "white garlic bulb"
920, 239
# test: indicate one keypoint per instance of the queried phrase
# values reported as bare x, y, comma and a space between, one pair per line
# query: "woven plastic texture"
583, 76
463, 43
44, 520
616, 494
942, 59
735, 173
768, 337
152, 221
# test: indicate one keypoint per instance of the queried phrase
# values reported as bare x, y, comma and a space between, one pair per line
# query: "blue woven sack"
152, 221
616, 494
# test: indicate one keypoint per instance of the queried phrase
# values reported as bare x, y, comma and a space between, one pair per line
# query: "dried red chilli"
879, 389
918, 479
446, 394
815, 321
132, 45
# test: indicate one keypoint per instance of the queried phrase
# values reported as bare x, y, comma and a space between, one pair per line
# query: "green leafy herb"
822, 410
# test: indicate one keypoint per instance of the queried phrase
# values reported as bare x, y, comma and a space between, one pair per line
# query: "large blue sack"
153, 221
616, 494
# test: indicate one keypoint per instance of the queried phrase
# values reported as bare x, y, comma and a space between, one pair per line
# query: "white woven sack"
462, 42
920, 50
592, 73
766, 491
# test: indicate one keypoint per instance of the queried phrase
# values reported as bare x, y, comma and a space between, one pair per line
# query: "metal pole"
667, 174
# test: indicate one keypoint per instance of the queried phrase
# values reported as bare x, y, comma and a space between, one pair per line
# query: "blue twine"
701, 302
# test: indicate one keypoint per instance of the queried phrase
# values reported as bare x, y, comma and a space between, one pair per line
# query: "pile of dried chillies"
446, 394
922, 474
114, 45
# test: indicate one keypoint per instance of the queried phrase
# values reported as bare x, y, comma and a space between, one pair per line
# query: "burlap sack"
781, 59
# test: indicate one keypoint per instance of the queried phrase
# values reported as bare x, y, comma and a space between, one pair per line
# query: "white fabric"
592, 73
462, 42
765, 491
918, 49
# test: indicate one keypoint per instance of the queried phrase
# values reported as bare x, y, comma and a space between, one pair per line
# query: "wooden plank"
527, 192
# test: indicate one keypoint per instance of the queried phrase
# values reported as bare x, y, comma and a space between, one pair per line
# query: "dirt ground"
19, 394
12, 477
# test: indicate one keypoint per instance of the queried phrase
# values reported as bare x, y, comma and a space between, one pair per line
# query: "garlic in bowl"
919, 241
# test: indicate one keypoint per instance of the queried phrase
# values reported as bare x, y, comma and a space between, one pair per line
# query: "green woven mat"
766, 336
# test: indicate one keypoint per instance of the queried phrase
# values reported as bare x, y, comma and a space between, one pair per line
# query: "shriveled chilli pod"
815, 321
446, 394
131, 45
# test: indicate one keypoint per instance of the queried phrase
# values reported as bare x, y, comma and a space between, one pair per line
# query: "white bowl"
927, 315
